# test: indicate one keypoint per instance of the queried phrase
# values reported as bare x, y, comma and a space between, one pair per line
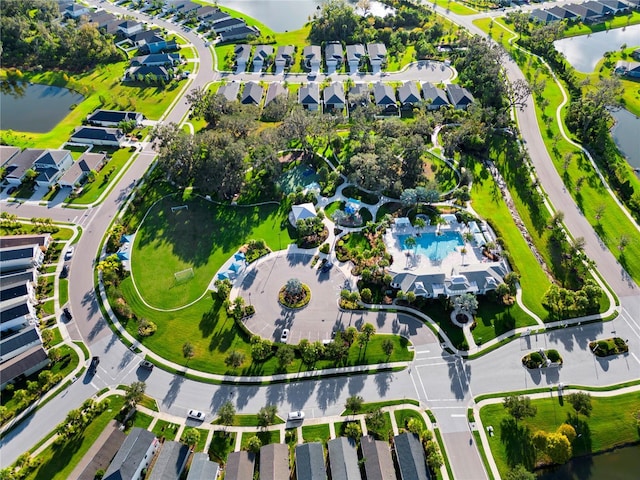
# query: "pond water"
34, 108
625, 134
584, 52
621, 464
287, 15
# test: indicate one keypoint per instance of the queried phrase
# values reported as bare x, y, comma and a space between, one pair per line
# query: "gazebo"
303, 211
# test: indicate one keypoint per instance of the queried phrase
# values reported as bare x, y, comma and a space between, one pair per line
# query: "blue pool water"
434, 247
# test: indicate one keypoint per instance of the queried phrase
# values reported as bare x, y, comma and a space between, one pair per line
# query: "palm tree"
410, 242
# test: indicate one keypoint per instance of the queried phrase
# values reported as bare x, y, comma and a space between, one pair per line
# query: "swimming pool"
434, 247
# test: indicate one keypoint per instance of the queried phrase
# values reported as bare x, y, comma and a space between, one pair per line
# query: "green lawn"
222, 443
48, 307
142, 420
316, 433
251, 420
63, 293
385, 431
199, 447
165, 429
615, 22
57, 337
611, 424
454, 7
266, 437
57, 462
630, 86
62, 234
403, 417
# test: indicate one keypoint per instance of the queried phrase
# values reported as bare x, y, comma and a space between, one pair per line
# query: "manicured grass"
165, 429
199, 446
62, 234
630, 87
142, 420
265, 436
316, 433
63, 290
57, 462
493, 320
251, 420
616, 22
149, 403
403, 417
371, 406
396, 63
222, 443
48, 307
385, 431
611, 424
57, 337
102, 88
454, 7
203, 238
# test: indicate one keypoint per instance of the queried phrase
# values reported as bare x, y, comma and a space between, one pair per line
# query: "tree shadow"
583, 443
174, 389
517, 443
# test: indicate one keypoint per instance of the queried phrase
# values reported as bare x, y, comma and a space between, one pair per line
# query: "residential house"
343, 459
385, 98
228, 24
130, 27
251, 94
312, 58
51, 165
170, 461
101, 19
111, 118
261, 57
310, 462
459, 96
242, 54
23, 365
138, 73
19, 342
7, 153
636, 53
616, 6
20, 257
102, 458
79, 171
284, 57
75, 10
309, 96
17, 315
18, 165
42, 240
209, 13
629, 69
147, 36
239, 33
583, 13
12, 293
333, 56
334, 98
378, 463
355, 57
98, 136
275, 90
156, 59
21, 275
229, 91
240, 465
377, 53
412, 463
274, 462
543, 16
562, 14
409, 95
180, 7
434, 96
150, 42
359, 95
600, 8
135, 455
202, 468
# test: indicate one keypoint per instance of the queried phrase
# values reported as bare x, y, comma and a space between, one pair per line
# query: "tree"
466, 303
267, 415
366, 332
353, 430
568, 431
188, 351
261, 349
134, 393
337, 21
254, 444
375, 420
47, 336
310, 352
387, 347
354, 403
519, 472
226, 413
519, 407
285, 355
539, 440
337, 350
234, 359
581, 403
558, 448
190, 437
350, 335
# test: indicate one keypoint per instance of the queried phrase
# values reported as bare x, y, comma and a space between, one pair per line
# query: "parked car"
69, 254
93, 367
67, 313
196, 415
65, 272
284, 336
295, 416
326, 266
146, 364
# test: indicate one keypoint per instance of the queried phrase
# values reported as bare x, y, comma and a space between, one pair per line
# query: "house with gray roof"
543, 16
600, 8
12, 293
333, 97
385, 98
7, 153
134, 74
333, 56
130, 27
275, 90
240, 32
412, 463
309, 96
312, 58
409, 95
229, 91
262, 57
586, 14
355, 57
202, 468
434, 96
310, 462
135, 455
228, 24
629, 69
562, 13
378, 463
51, 165
616, 6
75, 10
274, 462
27, 363
170, 462
252, 94
18, 165
242, 55
459, 96
17, 316
359, 95
43, 240
377, 53
22, 275
80, 170
284, 57
111, 118
20, 257
18, 342
156, 59
343, 459
113, 137
240, 465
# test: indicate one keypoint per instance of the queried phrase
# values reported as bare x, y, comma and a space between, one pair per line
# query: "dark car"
67, 313
94, 364
146, 364
65, 272
326, 267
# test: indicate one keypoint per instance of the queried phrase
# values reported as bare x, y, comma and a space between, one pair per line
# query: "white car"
295, 416
69, 254
285, 335
196, 415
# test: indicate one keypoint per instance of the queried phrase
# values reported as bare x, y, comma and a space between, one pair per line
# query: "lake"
625, 134
621, 464
287, 15
34, 108
585, 51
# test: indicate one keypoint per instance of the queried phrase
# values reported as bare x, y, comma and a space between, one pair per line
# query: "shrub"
535, 358
325, 248
554, 356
